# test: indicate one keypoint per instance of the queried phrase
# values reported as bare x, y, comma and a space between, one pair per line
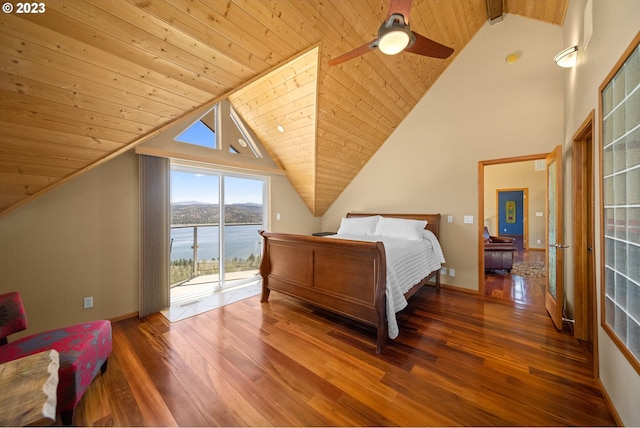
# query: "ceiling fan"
395, 36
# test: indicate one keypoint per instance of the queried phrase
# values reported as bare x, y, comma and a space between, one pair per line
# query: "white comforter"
408, 262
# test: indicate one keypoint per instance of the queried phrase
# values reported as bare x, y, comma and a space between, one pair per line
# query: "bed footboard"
345, 277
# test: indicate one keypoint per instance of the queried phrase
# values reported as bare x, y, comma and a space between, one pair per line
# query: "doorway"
518, 173
585, 325
511, 215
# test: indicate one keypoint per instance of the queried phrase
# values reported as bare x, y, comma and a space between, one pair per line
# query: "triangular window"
218, 136
241, 141
202, 132
221, 119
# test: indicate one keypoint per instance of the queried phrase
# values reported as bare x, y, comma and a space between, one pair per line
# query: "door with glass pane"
194, 265
554, 293
243, 215
215, 220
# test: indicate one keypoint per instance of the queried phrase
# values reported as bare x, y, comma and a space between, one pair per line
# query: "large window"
210, 212
215, 220
620, 127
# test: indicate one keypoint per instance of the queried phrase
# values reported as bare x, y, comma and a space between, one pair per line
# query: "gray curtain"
154, 234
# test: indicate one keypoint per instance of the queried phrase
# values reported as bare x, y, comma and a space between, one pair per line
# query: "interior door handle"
559, 246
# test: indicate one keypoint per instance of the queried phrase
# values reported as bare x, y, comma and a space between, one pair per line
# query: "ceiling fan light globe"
393, 42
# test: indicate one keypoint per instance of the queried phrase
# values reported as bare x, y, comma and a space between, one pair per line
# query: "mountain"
177, 203
193, 212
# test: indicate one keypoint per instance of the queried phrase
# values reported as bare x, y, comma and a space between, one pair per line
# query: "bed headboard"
433, 220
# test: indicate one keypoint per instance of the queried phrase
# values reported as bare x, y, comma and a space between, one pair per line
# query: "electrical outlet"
450, 219
443, 270
452, 272
88, 302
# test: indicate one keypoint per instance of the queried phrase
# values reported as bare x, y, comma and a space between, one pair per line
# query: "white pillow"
401, 228
358, 225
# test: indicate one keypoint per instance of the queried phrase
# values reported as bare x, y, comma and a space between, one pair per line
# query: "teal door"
511, 212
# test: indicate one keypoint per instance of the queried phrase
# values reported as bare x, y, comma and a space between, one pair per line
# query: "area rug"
536, 269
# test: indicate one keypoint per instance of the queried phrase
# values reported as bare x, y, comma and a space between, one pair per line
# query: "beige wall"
81, 239
517, 175
295, 217
481, 108
615, 24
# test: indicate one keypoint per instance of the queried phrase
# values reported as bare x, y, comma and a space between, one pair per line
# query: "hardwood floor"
458, 361
517, 289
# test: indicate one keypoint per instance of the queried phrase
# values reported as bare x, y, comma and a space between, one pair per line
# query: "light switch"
468, 219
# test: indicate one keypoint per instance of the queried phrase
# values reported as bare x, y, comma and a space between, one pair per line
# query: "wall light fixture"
567, 58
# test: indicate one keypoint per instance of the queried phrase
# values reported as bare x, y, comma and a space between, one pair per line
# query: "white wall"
615, 24
481, 108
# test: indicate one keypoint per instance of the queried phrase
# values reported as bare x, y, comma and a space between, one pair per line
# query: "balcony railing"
195, 250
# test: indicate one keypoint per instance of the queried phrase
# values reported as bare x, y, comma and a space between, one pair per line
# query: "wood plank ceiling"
85, 81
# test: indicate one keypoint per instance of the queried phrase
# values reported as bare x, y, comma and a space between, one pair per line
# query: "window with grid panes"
620, 127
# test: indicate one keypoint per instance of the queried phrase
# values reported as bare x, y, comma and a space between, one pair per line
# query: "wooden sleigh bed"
343, 276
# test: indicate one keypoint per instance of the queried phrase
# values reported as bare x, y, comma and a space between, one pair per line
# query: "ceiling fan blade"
427, 47
402, 7
368, 47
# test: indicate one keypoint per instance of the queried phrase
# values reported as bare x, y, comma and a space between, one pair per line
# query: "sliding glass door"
243, 215
215, 219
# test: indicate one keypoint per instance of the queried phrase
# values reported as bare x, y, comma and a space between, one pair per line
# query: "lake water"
241, 241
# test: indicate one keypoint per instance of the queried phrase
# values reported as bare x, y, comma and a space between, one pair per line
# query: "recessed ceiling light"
280, 128
512, 58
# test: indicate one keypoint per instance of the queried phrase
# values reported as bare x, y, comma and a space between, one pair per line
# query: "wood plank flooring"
458, 361
517, 289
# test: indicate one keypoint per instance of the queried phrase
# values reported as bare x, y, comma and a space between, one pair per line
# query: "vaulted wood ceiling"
85, 80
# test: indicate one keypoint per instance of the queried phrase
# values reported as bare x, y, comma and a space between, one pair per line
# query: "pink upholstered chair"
83, 349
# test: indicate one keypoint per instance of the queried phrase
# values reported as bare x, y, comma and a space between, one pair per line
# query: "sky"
198, 134
187, 186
